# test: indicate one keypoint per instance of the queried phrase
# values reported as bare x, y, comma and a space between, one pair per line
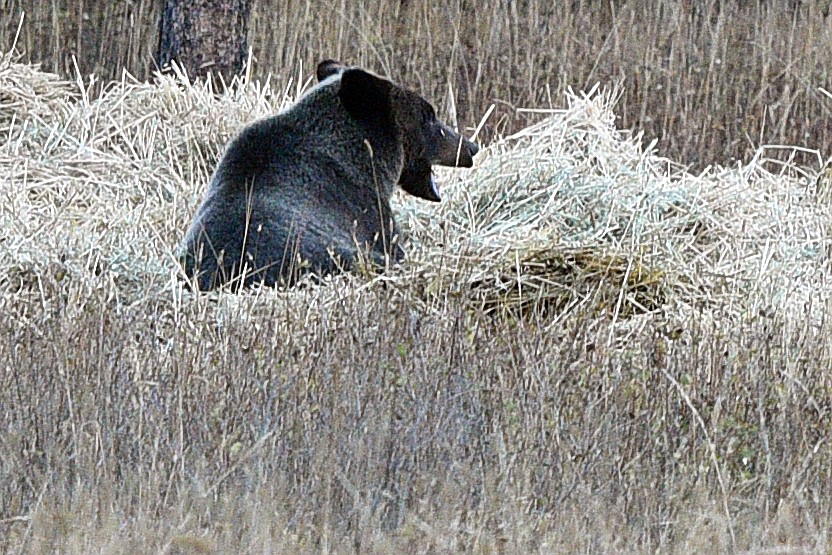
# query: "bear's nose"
472, 147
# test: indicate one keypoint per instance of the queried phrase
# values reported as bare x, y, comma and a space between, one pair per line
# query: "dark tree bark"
205, 36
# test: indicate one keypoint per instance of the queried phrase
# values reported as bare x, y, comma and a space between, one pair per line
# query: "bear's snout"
472, 147
455, 150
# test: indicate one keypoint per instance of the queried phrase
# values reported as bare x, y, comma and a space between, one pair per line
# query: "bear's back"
298, 185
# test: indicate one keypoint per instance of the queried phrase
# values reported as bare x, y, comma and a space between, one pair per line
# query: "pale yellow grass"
588, 349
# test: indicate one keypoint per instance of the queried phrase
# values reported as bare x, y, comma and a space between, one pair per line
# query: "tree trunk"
205, 36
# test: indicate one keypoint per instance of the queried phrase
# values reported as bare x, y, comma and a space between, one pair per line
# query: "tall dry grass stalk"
711, 79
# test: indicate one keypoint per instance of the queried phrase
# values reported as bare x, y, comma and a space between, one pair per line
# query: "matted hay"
569, 214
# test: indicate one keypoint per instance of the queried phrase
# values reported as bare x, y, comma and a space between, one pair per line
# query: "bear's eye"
441, 131
428, 113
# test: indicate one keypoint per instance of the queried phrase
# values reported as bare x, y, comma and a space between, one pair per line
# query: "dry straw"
573, 211
569, 214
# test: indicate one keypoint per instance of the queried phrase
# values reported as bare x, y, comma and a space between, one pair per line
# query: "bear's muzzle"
454, 150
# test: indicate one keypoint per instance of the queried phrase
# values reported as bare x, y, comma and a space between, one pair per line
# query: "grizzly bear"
308, 190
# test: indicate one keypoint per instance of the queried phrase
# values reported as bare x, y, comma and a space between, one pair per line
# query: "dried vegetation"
589, 349
712, 80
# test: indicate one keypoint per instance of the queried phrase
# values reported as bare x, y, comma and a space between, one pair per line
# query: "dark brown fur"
309, 189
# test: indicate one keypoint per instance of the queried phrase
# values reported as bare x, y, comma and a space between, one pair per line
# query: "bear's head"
387, 107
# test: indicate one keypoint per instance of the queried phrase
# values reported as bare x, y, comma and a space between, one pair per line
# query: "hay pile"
569, 214
100, 191
573, 212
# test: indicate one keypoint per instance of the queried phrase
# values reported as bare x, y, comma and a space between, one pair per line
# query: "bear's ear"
328, 68
366, 96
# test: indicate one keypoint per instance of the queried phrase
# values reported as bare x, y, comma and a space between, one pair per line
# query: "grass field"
590, 348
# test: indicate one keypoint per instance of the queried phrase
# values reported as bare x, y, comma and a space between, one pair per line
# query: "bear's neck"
322, 119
